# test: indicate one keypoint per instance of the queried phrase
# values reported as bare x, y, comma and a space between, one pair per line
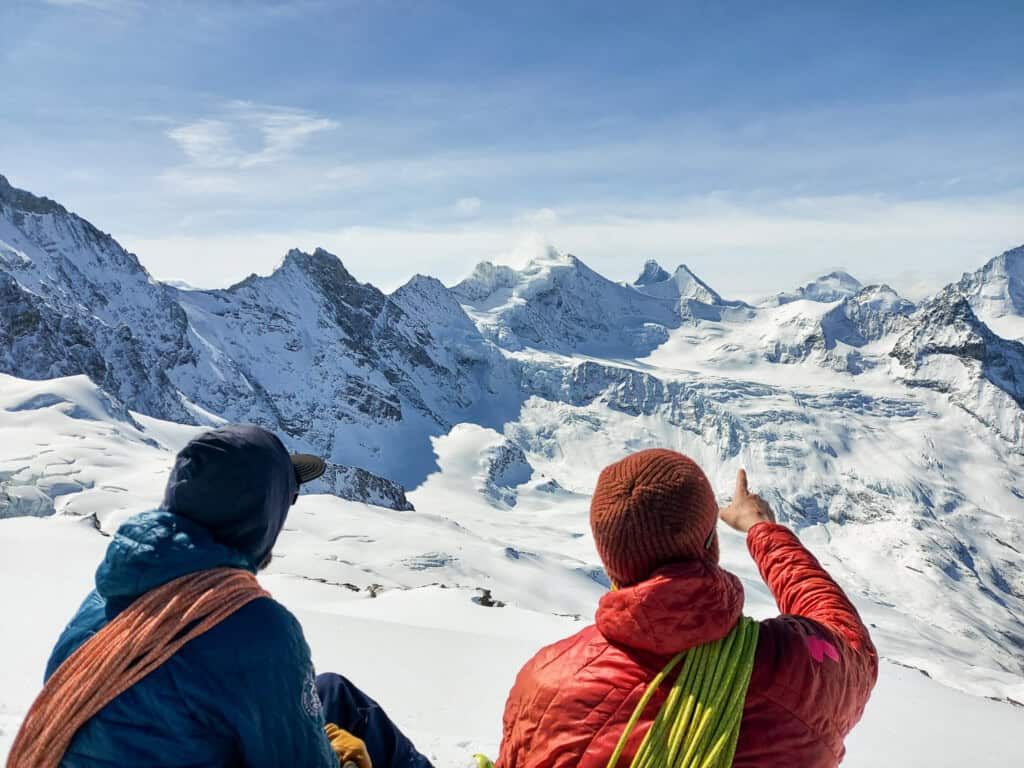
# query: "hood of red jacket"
682, 606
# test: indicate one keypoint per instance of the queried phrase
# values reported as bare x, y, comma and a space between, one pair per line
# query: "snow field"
442, 665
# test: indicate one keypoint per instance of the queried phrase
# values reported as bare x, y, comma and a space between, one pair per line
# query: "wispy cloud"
208, 143
283, 130
246, 135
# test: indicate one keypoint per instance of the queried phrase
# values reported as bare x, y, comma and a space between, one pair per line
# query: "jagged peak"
875, 289
840, 276
320, 264
1015, 253
683, 283
683, 272
1011, 262
422, 282
429, 299
652, 272
486, 278
880, 298
996, 290
427, 287
952, 306
319, 255
26, 201
550, 254
946, 315
831, 286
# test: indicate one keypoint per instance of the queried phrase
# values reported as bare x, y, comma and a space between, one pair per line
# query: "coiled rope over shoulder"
137, 641
698, 726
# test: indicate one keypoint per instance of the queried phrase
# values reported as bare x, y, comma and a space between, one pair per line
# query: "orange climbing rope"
137, 641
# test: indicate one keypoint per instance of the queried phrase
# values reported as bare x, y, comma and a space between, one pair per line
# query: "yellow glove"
351, 750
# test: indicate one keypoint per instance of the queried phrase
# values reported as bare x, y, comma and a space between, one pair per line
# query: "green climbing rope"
699, 723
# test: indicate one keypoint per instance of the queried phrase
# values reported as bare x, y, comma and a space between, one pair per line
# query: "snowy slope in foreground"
442, 664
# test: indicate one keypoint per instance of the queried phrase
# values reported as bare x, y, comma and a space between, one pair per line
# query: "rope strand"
141, 638
698, 725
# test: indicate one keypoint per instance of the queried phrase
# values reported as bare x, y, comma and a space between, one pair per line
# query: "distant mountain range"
894, 432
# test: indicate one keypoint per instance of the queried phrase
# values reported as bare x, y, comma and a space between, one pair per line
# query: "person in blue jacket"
244, 693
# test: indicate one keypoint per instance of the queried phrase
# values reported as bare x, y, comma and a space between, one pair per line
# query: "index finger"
741, 484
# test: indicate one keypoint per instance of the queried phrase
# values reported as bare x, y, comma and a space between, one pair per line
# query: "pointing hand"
746, 509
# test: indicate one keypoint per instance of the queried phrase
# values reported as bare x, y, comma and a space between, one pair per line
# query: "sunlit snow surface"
426, 647
440, 663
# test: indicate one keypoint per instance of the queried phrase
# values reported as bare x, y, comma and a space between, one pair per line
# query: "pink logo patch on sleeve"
820, 648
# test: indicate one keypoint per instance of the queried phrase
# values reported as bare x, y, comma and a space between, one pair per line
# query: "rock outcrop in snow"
506, 467
652, 273
355, 484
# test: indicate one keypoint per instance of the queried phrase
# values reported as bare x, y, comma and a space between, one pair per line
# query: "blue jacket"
242, 694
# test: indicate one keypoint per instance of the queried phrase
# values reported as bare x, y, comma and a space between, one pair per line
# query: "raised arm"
816, 660
802, 587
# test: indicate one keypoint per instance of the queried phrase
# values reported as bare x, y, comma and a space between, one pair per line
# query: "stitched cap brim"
307, 467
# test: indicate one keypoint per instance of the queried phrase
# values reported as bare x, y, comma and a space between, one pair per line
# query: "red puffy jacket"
814, 668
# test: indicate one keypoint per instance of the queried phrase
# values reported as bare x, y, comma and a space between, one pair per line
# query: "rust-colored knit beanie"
652, 508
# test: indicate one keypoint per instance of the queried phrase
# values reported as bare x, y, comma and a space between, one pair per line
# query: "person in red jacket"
654, 519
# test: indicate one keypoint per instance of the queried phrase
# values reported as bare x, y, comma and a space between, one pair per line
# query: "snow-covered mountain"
827, 288
76, 302
557, 303
887, 434
694, 299
307, 350
996, 293
946, 347
338, 366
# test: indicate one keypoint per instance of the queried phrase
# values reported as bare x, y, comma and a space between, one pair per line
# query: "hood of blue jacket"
153, 548
238, 482
225, 505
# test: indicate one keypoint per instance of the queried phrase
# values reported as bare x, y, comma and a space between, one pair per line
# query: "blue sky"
758, 142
